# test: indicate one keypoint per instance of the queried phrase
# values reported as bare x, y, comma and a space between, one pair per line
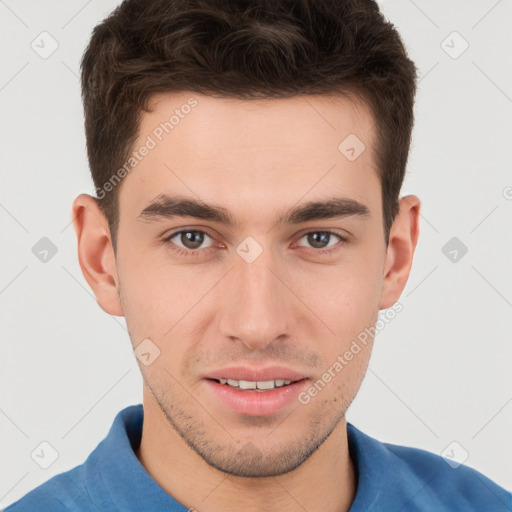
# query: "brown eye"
321, 239
190, 239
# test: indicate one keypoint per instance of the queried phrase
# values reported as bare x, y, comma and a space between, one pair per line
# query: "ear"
96, 254
403, 237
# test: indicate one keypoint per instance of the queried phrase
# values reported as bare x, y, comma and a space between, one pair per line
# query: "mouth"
262, 396
258, 386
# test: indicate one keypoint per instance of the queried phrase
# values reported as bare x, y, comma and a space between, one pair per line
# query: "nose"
256, 304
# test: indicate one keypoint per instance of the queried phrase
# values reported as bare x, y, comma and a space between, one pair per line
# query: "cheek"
161, 299
149, 294
345, 295
349, 306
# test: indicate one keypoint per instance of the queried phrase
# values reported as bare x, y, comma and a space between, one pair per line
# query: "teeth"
246, 384
268, 384
258, 385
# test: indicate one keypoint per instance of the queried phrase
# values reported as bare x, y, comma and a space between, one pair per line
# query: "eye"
187, 241
320, 240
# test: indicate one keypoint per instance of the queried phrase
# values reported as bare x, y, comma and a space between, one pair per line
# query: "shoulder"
100, 481
417, 479
62, 493
457, 483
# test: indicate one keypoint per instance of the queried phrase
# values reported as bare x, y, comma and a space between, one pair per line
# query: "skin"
291, 306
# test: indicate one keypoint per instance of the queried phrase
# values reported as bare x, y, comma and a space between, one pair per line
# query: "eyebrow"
168, 207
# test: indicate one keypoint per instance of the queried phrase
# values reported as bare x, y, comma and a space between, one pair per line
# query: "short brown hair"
247, 50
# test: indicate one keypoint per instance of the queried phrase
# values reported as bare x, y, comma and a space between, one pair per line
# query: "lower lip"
256, 403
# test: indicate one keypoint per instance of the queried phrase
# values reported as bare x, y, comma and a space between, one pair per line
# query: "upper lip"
256, 374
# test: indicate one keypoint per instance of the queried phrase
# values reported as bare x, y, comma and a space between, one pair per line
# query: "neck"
326, 481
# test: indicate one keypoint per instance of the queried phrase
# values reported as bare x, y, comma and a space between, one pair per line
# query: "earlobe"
96, 254
403, 239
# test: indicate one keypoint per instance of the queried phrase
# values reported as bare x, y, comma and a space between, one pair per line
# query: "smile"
255, 385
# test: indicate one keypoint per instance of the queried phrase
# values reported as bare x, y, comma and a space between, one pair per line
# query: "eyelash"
194, 252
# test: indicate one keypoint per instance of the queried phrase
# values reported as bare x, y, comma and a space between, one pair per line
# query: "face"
267, 286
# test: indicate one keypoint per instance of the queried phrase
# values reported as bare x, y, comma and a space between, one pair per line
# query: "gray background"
440, 371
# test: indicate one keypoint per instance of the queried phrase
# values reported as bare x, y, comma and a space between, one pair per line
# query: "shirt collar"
114, 471
116, 475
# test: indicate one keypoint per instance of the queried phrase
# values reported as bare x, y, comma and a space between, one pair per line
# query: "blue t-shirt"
390, 478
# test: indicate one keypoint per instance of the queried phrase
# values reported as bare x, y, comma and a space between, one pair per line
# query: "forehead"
251, 152
207, 122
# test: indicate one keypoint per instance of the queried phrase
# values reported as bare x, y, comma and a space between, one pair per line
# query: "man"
248, 159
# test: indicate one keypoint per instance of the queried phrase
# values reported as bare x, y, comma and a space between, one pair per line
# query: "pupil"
313, 239
192, 239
